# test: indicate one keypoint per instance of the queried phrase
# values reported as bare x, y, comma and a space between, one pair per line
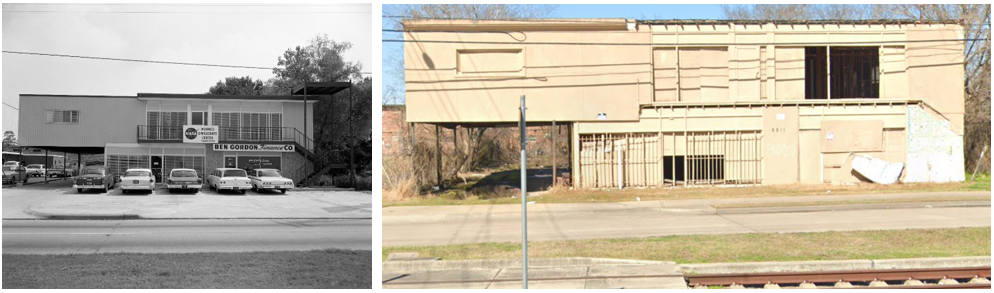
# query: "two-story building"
684, 102
148, 130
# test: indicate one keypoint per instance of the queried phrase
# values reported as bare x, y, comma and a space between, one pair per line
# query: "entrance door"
157, 168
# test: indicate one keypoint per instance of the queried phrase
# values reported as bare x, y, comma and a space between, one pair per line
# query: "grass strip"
326, 269
757, 247
981, 183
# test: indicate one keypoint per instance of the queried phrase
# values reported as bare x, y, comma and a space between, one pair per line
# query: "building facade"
661, 103
147, 130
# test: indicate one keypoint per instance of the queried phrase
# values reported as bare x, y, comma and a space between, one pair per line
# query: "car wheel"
79, 190
242, 191
124, 191
283, 191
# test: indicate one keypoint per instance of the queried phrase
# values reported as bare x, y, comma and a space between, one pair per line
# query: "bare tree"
472, 138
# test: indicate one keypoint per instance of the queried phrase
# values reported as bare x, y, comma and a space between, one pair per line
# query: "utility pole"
524, 198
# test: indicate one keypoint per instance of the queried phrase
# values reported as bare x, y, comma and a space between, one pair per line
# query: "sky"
230, 34
394, 51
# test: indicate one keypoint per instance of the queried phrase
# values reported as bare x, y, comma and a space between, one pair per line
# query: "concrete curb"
834, 265
853, 207
491, 264
82, 216
584, 212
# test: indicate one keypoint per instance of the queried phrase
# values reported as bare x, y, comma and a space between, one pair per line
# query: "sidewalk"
596, 273
428, 214
60, 201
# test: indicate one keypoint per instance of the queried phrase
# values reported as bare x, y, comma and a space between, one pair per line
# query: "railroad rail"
891, 278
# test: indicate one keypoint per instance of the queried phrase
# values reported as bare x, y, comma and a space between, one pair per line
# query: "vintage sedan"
185, 179
263, 179
36, 170
229, 179
95, 177
14, 173
137, 179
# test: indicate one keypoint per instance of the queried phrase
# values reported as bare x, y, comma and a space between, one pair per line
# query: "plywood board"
852, 136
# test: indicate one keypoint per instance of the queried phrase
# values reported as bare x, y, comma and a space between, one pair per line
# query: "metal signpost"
524, 199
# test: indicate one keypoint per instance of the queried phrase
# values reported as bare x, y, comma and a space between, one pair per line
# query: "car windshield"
93, 171
137, 174
234, 173
184, 173
269, 173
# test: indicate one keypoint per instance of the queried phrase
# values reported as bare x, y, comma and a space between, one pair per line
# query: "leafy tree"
237, 86
9, 140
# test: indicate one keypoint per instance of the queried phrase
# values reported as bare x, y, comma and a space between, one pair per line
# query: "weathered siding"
101, 120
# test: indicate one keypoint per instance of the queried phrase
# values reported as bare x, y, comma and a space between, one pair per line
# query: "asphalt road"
178, 236
543, 226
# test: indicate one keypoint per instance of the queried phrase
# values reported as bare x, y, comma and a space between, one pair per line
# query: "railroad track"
951, 278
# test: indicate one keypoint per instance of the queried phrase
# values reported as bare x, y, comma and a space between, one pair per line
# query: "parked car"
184, 179
95, 177
137, 179
14, 173
11, 164
270, 179
36, 170
60, 171
230, 179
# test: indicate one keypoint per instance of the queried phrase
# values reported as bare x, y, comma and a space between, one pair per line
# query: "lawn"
325, 269
756, 247
458, 196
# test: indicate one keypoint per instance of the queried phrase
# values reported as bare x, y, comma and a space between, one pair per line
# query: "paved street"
175, 236
475, 224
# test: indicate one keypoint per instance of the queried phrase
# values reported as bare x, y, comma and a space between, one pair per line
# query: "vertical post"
47, 166
438, 157
828, 69
307, 145
351, 137
524, 198
555, 149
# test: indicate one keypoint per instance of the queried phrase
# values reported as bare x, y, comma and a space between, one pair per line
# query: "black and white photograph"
202, 146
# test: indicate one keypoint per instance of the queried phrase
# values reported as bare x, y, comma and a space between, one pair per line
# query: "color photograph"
686, 146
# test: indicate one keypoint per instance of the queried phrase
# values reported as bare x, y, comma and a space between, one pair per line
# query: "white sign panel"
254, 147
200, 134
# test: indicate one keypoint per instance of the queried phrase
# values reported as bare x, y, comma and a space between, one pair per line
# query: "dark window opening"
855, 72
199, 118
668, 168
815, 73
698, 168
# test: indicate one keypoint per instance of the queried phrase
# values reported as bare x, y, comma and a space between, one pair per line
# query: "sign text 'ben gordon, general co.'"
254, 147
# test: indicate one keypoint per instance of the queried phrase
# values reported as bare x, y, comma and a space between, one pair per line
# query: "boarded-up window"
664, 72
703, 74
789, 73
490, 61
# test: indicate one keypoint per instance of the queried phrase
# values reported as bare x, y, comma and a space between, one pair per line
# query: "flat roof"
321, 88
221, 97
788, 22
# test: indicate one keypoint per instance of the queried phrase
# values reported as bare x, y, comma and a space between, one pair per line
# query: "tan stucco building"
655, 103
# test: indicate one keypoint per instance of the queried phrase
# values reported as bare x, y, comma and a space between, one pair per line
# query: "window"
199, 118
842, 73
62, 116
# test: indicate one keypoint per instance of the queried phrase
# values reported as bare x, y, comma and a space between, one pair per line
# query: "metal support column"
524, 198
47, 167
555, 149
438, 157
